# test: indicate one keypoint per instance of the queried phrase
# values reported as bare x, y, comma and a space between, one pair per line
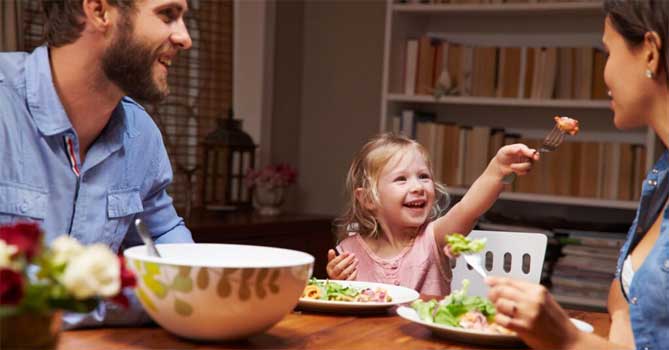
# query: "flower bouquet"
269, 184
37, 282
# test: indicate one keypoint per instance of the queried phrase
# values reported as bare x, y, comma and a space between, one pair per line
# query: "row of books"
432, 65
586, 268
460, 154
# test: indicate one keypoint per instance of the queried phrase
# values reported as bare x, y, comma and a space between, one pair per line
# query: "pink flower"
11, 287
277, 175
127, 280
26, 236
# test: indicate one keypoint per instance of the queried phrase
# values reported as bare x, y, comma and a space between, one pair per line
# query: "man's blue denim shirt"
649, 291
124, 176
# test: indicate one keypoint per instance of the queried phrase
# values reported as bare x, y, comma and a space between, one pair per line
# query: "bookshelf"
577, 24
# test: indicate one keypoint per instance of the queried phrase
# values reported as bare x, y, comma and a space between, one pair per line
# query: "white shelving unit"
527, 24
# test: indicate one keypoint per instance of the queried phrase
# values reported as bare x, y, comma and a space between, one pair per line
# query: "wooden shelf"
494, 101
502, 9
565, 200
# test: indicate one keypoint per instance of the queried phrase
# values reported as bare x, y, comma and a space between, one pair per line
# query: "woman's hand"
516, 158
342, 267
530, 310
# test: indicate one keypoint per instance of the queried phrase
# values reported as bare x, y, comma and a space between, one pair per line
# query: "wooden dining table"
299, 330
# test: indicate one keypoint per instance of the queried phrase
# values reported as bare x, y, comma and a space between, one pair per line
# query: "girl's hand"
530, 310
516, 158
342, 267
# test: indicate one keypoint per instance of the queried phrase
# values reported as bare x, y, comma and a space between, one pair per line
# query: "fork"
474, 260
550, 143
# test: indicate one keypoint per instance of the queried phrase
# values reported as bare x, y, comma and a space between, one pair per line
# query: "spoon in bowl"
146, 238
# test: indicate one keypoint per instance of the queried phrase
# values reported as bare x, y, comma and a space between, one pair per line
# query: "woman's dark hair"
64, 19
634, 18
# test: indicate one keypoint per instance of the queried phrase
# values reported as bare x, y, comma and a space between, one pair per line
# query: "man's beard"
128, 63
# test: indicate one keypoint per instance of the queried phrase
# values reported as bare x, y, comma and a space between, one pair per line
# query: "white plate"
399, 294
473, 336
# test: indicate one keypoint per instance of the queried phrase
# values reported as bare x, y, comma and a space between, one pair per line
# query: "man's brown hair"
64, 19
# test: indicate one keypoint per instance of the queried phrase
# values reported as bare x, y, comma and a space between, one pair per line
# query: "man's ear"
363, 197
652, 48
97, 13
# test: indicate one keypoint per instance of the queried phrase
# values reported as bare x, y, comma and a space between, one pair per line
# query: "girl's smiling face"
405, 192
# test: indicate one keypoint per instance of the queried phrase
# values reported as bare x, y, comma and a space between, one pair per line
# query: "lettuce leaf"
459, 244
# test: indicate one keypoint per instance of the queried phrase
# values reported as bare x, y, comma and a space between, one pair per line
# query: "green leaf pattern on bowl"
202, 278
160, 285
182, 307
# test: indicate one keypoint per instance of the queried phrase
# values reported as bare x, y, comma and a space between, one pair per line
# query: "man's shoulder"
138, 117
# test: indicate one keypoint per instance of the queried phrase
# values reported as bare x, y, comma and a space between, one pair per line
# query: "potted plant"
38, 282
268, 185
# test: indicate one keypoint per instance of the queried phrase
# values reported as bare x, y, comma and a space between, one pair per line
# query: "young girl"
394, 232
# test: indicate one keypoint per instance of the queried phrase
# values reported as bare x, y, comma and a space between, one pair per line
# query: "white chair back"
510, 254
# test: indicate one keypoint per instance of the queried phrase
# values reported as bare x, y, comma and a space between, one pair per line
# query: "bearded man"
77, 153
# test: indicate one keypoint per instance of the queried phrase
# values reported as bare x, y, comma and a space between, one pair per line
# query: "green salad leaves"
333, 291
459, 244
450, 310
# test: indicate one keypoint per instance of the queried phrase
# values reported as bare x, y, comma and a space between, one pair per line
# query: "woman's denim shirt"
649, 291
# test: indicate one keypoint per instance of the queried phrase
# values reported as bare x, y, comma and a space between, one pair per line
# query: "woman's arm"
483, 193
531, 311
621, 326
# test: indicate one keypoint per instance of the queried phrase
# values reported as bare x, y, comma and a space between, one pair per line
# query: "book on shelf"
565, 73
476, 153
508, 82
599, 89
410, 66
595, 239
586, 263
484, 71
601, 285
425, 68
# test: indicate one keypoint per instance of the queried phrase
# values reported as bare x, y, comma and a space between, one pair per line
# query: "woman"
635, 36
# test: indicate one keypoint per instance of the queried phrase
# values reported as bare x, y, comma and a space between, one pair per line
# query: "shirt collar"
43, 101
47, 110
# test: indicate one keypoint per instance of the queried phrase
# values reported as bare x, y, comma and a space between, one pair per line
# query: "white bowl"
218, 291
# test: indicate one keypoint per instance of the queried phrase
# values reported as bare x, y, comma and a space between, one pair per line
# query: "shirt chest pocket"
22, 203
122, 206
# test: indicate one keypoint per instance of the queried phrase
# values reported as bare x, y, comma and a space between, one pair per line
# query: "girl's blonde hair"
364, 173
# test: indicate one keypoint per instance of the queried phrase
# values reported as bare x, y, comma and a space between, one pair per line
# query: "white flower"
65, 248
94, 272
6, 252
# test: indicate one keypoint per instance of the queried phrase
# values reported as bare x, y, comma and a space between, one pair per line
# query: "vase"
30, 330
268, 199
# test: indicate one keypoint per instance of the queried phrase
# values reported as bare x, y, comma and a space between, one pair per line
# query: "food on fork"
459, 244
566, 124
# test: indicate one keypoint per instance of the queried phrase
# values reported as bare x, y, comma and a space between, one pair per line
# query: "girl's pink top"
420, 266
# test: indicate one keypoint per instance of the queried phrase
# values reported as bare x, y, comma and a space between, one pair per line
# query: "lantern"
228, 153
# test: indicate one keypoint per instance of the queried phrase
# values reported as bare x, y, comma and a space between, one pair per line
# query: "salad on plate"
333, 291
461, 311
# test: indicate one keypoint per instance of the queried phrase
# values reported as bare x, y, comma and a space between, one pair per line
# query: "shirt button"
654, 171
24, 207
634, 300
397, 283
646, 348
